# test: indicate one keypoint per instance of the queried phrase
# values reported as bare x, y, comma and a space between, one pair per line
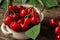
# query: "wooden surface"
47, 33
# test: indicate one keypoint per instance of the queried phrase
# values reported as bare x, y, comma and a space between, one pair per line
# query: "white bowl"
19, 35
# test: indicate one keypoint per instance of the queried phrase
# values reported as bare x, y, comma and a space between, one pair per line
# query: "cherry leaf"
41, 3
33, 32
24, 1
50, 3
33, 2
17, 1
4, 5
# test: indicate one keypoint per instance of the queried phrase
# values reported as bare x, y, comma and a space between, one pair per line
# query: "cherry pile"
53, 23
21, 18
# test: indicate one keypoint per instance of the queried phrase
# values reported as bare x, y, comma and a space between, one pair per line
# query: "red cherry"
58, 37
14, 16
34, 13
59, 16
23, 12
20, 21
57, 30
59, 23
37, 15
15, 9
17, 14
21, 7
23, 27
14, 26
7, 20
52, 22
27, 21
29, 9
35, 20
10, 7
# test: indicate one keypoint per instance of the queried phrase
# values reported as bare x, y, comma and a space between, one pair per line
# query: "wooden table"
47, 33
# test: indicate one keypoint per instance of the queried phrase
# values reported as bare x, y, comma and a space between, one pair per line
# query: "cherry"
23, 27
58, 37
14, 16
57, 30
14, 26
59, 23
35, 20
37, 15
52, 22
20, 20
33, 13
17, 14
7, 20
21, 7
27, 21
15, 9
59, 16
10, 7
29, 9
23, 12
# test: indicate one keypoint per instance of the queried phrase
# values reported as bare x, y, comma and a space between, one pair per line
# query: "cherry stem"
28, 14
9, 2
32, 11
13, 19
12, 11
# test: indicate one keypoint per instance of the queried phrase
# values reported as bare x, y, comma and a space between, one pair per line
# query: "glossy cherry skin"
35, 20
52, 22
33, 13
14, 26
23, 13
59, 23
21, 7
20, 21
14, 16
23, 27
57, 30
29, 9
27, 21
7, 20
15, 9
59, 16
17, 14
10, 7
58, 37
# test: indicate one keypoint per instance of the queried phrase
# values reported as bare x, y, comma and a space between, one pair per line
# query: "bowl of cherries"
20, 18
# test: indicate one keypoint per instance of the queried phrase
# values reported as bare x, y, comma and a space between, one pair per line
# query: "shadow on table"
46, 33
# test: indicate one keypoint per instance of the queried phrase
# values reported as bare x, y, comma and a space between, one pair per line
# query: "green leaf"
50, 3
4, 5
17, 1
33, 2
41, 3
8, 1
24, 1
33, 32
